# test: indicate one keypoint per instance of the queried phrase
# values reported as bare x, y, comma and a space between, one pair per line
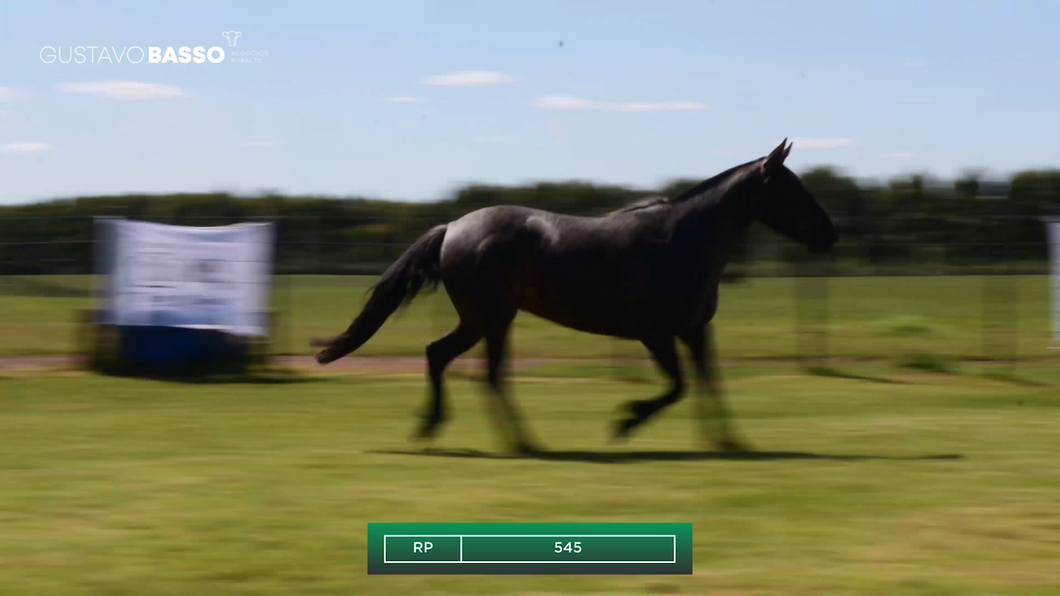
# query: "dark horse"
647, 272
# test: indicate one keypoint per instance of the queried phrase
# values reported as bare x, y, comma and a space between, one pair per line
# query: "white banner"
1054, 260
179, 276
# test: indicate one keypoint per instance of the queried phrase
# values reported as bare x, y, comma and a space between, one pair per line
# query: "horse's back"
524, 233
586, 273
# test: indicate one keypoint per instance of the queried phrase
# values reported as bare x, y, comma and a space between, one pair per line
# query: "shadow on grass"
828, 371
1006, 377
625, 457
927, 363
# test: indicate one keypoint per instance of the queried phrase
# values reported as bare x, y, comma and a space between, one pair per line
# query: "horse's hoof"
428, 429
630, 417
527, 449
623, 428
733, 446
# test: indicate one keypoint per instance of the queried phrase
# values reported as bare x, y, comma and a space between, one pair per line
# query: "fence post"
1000, 318
281, 290
812, 323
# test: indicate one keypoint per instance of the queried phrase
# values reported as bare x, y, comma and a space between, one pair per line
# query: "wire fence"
984, 301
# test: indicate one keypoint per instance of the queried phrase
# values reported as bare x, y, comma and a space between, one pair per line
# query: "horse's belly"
600, 320
605, 307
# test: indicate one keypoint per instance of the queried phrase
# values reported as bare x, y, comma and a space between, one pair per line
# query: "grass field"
868, 317
927, 484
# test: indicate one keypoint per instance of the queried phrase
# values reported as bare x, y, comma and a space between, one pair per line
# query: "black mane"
695, 191
644, 203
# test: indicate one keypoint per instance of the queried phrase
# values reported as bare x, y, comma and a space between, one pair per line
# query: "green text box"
530, 548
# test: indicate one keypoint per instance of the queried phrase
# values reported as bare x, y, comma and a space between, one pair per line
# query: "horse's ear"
776, 158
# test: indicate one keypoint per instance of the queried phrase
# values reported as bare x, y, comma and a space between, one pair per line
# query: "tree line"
910, 222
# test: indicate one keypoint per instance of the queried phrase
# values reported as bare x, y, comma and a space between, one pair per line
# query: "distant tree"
967, 185
1035, 192
977, 219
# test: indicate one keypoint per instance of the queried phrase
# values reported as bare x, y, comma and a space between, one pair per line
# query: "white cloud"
899, 155
24, 147
403, 99
665, 106
566, 102
124, 90
260, 144
495, 139
563, 102
916, 99
469, 78
823, 143
8, 94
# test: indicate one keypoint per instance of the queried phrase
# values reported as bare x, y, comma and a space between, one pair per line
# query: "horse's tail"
399, 284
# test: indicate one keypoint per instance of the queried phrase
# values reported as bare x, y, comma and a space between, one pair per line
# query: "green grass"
868, 317
120, 486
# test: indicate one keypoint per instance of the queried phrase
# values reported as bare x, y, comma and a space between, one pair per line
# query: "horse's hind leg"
503, 407
664, 351
700, 342
440, 353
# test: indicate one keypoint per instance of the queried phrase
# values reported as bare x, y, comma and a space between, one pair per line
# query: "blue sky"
639, 93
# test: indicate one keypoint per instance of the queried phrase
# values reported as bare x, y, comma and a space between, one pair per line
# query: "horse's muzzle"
823, 245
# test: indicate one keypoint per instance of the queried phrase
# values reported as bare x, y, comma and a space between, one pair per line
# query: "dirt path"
36, 362
306, 363
404, 363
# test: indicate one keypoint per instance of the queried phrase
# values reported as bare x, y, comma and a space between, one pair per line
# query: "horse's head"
785, 205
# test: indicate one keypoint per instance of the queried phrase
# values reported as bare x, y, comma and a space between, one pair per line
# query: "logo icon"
232, 37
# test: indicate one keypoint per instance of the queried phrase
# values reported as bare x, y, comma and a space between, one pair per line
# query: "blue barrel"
158, 350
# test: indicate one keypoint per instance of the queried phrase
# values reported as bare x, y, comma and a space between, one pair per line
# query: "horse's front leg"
700, 343
664, 351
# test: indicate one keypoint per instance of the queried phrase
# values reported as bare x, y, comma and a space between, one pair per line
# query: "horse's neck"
714, 221
705, 230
